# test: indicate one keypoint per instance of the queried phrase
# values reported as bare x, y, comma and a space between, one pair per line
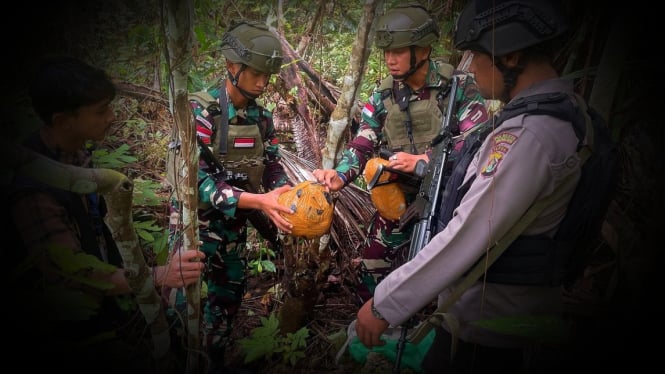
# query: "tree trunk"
339, 120
177, 22
322, 8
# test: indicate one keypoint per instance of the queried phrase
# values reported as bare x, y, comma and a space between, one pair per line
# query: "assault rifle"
259, 221
424, 208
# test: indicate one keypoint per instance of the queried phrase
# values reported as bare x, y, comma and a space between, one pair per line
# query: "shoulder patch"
501, 144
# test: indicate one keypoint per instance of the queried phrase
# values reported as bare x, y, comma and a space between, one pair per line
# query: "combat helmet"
253, 44
406, 25
501, 27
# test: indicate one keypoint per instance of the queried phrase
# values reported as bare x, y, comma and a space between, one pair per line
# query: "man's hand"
273, 208
405, 162
184, 268
370, 328
268, 203
329, 178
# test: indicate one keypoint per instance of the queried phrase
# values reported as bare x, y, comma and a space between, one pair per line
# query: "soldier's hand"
329, 178
273, 208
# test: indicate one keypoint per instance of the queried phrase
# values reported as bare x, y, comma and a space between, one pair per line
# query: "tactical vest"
244, 143
425, 115
537, 259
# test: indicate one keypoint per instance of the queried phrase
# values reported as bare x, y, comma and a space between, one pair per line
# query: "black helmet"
500, 27
406, 25
253, 44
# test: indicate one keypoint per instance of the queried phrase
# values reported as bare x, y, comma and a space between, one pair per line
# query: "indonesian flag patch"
368, 110
244, 142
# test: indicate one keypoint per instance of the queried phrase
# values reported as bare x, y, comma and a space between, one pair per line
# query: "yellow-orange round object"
387, 196
312, 206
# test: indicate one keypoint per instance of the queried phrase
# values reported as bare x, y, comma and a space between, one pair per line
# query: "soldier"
403, 115
240, 135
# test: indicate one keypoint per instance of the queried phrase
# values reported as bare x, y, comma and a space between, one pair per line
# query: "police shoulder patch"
501, 144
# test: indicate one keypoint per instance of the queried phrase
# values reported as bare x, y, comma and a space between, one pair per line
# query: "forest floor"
337, 307
327, 325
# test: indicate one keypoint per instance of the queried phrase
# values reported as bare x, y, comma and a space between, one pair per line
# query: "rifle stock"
429, 194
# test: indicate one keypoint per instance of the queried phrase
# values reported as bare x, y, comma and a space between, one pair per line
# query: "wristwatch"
375, 312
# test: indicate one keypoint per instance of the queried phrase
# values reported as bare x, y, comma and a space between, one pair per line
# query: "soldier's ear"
512, 59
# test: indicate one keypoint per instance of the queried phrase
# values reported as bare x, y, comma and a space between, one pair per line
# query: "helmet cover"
406, 25
253, 44
386, 194
312, 207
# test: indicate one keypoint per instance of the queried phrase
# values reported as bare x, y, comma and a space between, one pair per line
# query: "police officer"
523, 160
402, 115
240, 134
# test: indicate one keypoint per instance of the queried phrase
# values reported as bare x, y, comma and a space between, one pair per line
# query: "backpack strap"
440, 314
223, 122
551, 104
556, 104
220, 115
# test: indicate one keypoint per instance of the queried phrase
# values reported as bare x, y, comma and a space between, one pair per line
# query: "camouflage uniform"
222, 226
385, 243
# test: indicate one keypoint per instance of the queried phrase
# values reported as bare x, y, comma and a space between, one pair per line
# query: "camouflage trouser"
385, 248
225, 279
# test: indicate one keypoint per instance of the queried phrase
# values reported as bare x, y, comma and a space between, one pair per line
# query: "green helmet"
253, 44
406, 25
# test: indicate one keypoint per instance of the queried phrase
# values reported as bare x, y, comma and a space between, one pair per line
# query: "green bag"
412, 356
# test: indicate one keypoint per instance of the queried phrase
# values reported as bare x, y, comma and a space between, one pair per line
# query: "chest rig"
414, 119
238, 145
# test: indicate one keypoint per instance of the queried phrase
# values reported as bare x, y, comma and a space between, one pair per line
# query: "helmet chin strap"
412, 69
234, 81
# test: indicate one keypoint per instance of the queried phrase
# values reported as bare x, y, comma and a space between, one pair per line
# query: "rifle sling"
221, 140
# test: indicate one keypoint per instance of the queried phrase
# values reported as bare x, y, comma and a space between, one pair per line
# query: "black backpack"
579, 232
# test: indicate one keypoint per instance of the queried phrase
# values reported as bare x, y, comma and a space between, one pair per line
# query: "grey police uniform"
522, 161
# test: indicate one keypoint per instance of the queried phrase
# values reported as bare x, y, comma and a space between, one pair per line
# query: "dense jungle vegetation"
618, 302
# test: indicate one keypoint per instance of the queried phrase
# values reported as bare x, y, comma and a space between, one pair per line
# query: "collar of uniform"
433, 78
250, 113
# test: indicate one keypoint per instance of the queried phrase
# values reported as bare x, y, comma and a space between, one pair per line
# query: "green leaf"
150, 224
269, 266
298, 339
145, 236
255, 349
